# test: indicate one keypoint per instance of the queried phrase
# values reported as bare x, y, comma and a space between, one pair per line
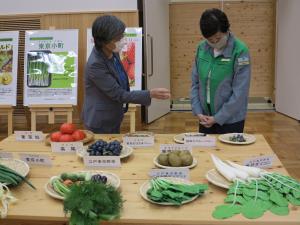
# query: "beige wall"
287, 58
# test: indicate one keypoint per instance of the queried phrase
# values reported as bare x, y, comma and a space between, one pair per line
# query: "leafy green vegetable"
90, 202
279, 210
166, 191
226, 211
251, 210
271, 192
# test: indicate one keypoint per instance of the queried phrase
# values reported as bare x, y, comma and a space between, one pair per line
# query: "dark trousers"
237, 127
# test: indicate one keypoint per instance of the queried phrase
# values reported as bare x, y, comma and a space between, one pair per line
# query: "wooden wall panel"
82, 21
252, 21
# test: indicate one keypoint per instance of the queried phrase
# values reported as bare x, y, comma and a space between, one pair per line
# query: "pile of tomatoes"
68, 133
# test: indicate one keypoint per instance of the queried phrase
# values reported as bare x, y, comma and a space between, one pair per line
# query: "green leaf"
263, 195
231, 199
226, 211
278, 198
264, 205
293, 200
296, 193
279, 210
251, 210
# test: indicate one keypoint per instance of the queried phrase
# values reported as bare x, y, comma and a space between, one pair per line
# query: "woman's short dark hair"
105, 29
213, 21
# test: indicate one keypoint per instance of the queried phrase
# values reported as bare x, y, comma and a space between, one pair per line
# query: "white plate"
195, 162
146, 186
125, 152
17, 165
179, 138
112, 179
217, 179
249, 138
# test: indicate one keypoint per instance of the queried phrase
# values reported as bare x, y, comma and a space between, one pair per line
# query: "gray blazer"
104, 97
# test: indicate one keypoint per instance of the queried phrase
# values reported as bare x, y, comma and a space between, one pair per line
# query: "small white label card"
29, 135
6, 155
66, 147
102, 161
200, 140
260, 162
166, 148
36, 159
146, 141
183, 173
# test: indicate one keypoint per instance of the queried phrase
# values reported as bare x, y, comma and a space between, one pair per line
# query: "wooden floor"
281, 132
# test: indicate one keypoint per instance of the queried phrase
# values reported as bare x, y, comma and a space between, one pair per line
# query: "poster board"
131, 54
51, 67
9, 41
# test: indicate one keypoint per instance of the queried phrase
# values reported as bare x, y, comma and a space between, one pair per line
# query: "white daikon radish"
223, 170
239, 173
252, 171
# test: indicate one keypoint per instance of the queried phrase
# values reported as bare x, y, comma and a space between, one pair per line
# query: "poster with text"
51, 67
131, 55
9, 41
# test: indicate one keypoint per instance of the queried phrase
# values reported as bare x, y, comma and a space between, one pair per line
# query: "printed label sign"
260, 162
29, 135
51, 67
36, 159
9, 41
66, 147
6, 155
203, 141
138, 141
102, 161
166, 148
178, 172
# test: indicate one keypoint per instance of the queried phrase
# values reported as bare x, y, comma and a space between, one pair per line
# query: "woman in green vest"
220, 77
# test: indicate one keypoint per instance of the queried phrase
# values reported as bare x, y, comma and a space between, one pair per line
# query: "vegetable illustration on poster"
131, 55
8, 67
50, 67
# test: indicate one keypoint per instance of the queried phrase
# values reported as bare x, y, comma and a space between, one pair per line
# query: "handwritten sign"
29, 136
260, 162
183, 173
139, 141
203, 141
36, 159
66, 147
166, 148
102, 161
6, 155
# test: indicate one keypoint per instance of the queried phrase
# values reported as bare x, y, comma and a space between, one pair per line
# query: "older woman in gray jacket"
107, 92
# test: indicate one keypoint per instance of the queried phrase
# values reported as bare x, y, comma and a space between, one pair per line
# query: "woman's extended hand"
160, 93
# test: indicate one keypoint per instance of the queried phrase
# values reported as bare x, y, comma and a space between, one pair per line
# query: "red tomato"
67, 128
66, 138
78, 135
55, 136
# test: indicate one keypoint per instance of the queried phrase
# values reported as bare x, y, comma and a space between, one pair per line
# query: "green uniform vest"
219, 68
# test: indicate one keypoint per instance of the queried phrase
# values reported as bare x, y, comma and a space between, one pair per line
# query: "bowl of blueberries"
104, 148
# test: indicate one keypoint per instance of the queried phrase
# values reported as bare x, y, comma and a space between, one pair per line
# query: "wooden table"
38, 206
